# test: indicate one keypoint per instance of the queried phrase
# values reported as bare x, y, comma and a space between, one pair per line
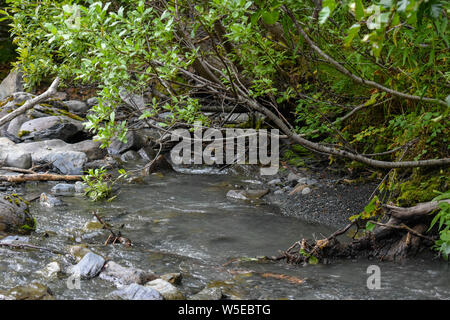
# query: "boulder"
50, 201
136, 292
14, 214
92, 102
76, 106
134, 141
133, 100
15, 124
68, 162
88, 267
33, 291
12, 83
124, 276
52, 127
166, 289
247, 194
130, 155
18, 160
63, 188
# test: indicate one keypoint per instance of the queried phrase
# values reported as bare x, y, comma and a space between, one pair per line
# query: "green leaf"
324, 14
313, 260
352, 32
359, 10
370, 226
270, 17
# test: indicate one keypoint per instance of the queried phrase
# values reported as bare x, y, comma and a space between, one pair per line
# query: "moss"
421, 186
23, 133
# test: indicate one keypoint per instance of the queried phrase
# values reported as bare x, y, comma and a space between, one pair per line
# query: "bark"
39, 177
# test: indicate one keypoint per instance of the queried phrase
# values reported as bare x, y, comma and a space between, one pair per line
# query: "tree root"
390, 241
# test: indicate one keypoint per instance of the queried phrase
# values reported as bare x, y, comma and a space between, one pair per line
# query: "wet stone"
88, 267
136, 292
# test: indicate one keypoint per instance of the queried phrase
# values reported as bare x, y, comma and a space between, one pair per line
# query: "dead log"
418, 210
39, 177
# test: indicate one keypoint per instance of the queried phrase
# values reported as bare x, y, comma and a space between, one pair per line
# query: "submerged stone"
136, 292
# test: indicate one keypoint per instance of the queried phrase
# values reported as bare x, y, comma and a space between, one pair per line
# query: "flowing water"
183, 222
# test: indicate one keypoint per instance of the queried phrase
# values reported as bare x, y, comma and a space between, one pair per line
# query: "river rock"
247, 194
14, 214
173, 278
208, 294
131, 99
166, 289
15, 124
130, 155
12, 83
18, 160
14, 239
88, 267
33, 291
136, 292
50, 271
133, 142
47, 200
124, 276
52, 127
68, 162
306, 191
147, 153
80, 187
92, 102
63, 188
78, 251
76, 106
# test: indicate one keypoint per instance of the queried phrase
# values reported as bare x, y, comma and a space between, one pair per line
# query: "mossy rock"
15, 216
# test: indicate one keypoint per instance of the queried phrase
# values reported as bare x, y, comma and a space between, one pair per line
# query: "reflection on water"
185, 223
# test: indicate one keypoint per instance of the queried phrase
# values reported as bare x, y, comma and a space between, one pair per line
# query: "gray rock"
12, 83
14, 239
247, 194
279, 191
130, 155
293, 177
311, 181
124, 276
80, 187
76, 106
14, 214
274, 182
92, 102
63, 188
18, 160
15, 124
147, 153
88, 267
50, 201
133, 142
306, 191
52, 127
60, 95
68, 162
208, 294
131, 99
136, 292
166, 289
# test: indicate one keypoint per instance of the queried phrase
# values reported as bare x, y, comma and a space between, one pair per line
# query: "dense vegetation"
366, 81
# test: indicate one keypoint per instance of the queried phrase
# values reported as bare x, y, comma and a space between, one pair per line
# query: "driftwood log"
39, 177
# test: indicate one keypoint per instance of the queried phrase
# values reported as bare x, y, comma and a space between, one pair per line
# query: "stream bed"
184, 222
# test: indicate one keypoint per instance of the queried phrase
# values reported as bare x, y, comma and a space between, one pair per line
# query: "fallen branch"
13, 169
29, 246
418, 210
39, 177
31, 103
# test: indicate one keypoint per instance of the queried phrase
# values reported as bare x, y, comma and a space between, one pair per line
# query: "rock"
173, 278
247, 194
50, 201
298, 188
160, 165
133, 142
52, 127
279, 191
33, 291
306, 191
15, 124
14, 214
12, 83
60, 95
133, 100
68, 162
147, 153
311, 181
76, 106
293, 177
274, 182
80, 187
124, 276
50, 271
55, 150
92, 102
130, 155
63, 188
78, 251
208, 294
166, 289
14, 239
136, 292
18, 160
88, 267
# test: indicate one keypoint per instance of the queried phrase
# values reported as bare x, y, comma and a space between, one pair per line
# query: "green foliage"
99, 184
443, 216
